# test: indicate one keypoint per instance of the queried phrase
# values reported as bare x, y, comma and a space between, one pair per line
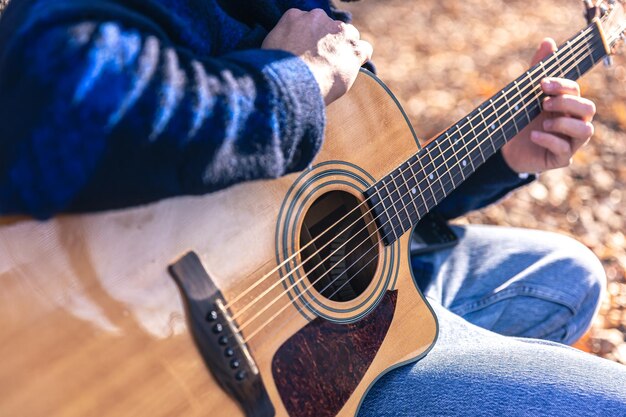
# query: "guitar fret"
558, 63
467, 139
522, 99
569, 46
423, 177
482, 128
590, 54
489, 131
453, 154
565, 55
448, 155
535, 105
391, 216
493, 122
379, 212
539, 99
406, 172
395, 216
464, 162
441, 168
572, 58
543, 71
598, 52
402, 192
435, 175
484, 145
589, 61
452, 157
476, 138
510, 115
435, 165
534, 108
417, 183
498, 106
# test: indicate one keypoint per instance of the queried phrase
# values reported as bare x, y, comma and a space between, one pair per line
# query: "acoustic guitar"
285, 297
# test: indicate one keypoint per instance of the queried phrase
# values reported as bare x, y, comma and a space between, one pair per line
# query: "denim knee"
553, 294
590, 284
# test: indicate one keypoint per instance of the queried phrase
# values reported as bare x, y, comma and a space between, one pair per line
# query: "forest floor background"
443, 58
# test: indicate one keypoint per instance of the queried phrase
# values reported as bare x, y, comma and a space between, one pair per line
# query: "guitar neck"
404, 196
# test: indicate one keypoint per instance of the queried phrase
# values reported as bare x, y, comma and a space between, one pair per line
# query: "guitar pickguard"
320, 366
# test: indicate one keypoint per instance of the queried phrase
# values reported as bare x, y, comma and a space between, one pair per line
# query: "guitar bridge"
216, 336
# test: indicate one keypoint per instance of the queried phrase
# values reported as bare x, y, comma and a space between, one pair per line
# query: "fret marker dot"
493, 126
517, 107
431, 176
414, 190
464, 162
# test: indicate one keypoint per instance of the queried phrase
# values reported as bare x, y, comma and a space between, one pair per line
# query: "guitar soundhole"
339, 259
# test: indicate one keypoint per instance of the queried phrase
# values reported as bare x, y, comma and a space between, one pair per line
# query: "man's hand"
563, 127
332, 49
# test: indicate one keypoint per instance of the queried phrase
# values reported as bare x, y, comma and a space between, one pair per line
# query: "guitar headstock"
612, 20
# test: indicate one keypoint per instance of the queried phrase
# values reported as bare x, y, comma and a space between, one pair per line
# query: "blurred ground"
443, 58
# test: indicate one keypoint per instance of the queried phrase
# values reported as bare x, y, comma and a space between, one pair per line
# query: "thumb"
546, 47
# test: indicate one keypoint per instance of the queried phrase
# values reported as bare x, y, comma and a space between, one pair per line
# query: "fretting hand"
561, 129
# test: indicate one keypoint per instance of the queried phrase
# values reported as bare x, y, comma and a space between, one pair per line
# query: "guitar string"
381, 202
376, 256
612, 19
618, 35
307, 303
367, 225
408, 216
291, 257
389, 217
397, 215
479, 144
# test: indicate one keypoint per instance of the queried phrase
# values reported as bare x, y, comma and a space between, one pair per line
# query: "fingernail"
547, 84
534, 135
547, 124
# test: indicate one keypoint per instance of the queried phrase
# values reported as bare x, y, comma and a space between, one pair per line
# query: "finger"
292, 13
555, 86
319, 13
560, 148
319, 18
575, 106
350, 31
364, 51
578, 130
546, 47
569, 126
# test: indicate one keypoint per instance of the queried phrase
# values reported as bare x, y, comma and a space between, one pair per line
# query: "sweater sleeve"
95, 115
490, 182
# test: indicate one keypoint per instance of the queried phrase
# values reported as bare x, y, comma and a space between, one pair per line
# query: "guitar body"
92, 323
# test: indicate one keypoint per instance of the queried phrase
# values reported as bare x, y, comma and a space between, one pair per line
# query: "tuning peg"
591, 11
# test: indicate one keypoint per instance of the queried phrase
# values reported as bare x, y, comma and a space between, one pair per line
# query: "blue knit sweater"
112, 103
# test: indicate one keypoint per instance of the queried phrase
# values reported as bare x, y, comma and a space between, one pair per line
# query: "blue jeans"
507, 301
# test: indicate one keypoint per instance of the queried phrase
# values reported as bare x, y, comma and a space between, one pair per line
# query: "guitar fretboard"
403, 197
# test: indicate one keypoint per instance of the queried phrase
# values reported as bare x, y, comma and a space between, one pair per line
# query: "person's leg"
515, 282
475, 372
